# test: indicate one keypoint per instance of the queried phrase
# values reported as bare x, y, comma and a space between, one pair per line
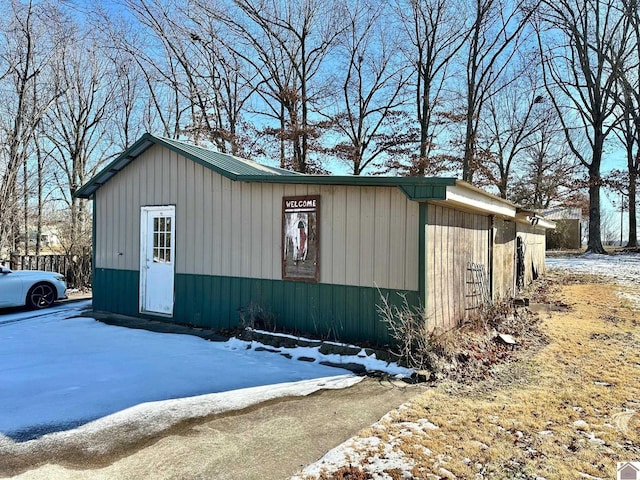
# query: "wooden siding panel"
182, 225
246, 227
225, 226
535, 251
235, 228
215, 207
454, 239
397, 240
277, 192
201, 219
265, 243
411, 251
101, 216
208, 233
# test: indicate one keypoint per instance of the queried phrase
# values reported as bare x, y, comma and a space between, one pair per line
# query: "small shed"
568, 231
197, 237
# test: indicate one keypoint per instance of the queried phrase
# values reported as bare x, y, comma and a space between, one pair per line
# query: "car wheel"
41, 295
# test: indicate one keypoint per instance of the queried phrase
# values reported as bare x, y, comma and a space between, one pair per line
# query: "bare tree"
628, 100
497, 31
546, 173
576, 40
78, 125
127, 113
436, 33
29, 40
146, 65
287, 44
372, 90
513, 120
213, 86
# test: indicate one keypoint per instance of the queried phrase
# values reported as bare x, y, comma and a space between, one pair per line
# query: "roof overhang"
468, 197
440, 190
532, 218
89, 188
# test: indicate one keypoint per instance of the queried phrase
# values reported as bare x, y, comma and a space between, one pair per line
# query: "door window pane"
162, 239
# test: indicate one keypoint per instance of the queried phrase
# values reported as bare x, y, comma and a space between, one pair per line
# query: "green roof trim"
238, 169
227, 165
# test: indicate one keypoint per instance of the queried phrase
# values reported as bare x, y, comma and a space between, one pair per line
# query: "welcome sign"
300, 235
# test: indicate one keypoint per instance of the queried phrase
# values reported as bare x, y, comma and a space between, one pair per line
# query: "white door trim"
157, 260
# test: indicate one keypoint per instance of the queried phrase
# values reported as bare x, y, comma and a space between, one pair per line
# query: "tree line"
525, 99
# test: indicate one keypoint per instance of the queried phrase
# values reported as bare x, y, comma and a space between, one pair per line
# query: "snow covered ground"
60, 372
623, 269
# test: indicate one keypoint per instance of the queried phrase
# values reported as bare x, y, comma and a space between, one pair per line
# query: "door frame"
145, 211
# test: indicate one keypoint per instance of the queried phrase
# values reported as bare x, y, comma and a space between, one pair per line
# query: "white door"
157, 259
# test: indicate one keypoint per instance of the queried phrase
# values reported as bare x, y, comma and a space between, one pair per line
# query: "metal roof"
563, 213
240, 169
449, 190
227, 165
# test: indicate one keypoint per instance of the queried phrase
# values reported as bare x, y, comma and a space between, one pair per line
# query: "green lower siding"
347, 313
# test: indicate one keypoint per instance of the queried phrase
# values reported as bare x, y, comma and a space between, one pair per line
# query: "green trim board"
341, 312
93, 238
423, 223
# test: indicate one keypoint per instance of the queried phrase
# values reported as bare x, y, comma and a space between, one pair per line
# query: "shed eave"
224, 164
126, 157
546, 224
526, 216
356, 180
464, 195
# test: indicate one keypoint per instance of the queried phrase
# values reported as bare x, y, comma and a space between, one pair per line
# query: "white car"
33, 288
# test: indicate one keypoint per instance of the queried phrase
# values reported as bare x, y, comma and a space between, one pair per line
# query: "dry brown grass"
567, 409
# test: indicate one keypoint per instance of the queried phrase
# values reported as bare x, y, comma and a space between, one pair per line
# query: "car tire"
41, 295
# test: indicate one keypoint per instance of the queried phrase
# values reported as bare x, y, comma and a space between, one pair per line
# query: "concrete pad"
269, 441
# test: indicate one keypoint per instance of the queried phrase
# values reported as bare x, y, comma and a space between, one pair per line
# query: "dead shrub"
255, 317
465, 352
417, 344
347, 473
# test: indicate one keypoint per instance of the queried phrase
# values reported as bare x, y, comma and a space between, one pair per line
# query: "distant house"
568, 231
193, 236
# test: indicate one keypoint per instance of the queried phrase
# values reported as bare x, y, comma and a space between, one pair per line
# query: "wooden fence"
76, 268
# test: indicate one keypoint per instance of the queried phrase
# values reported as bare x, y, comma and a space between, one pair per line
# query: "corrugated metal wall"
368, 236
454, 239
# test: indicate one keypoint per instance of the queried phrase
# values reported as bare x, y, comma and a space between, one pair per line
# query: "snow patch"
60, 371
624, 269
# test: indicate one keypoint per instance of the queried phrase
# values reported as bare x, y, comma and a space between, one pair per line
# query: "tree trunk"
283, 163
468, 166
594, 244
633, 225
40, 199
25, 205
425, 115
